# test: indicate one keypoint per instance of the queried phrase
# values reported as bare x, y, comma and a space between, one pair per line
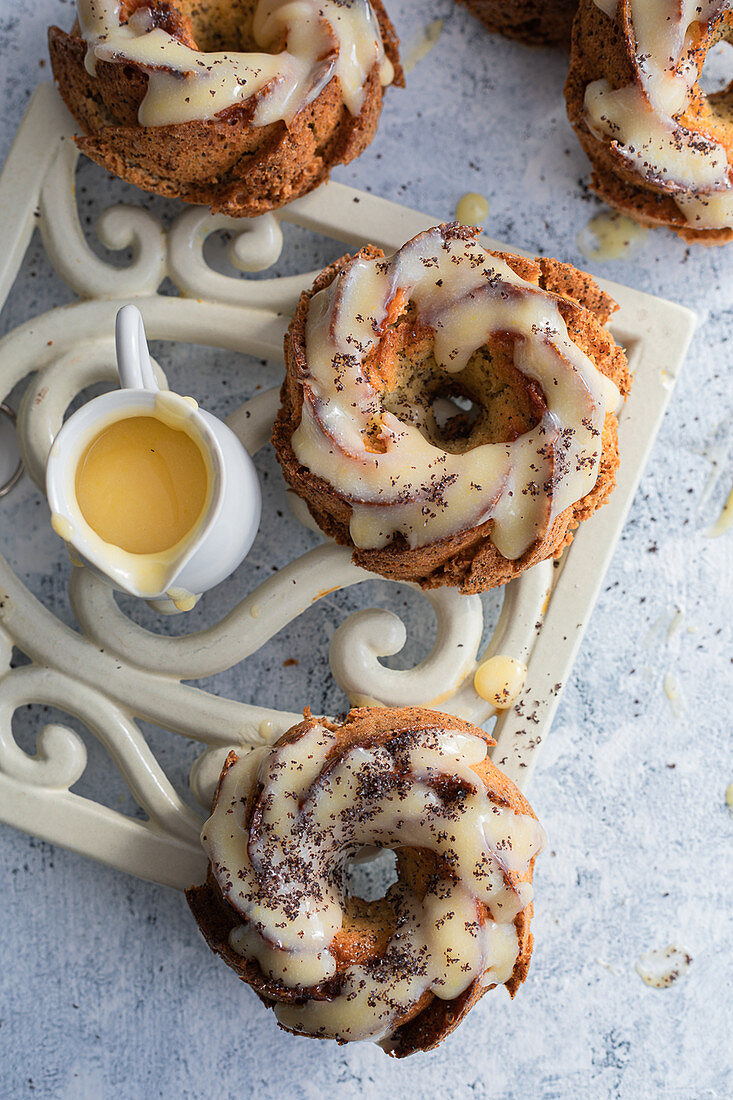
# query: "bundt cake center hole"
216, 26
489, 401
715, 77
371, 873
455, 414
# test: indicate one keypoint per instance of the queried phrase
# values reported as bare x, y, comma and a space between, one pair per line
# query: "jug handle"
133, 358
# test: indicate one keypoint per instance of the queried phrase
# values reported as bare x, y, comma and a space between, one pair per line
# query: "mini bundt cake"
449, 412
404, 969
661, 149
180, 99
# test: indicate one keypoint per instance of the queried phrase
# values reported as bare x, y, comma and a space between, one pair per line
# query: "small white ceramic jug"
171, 580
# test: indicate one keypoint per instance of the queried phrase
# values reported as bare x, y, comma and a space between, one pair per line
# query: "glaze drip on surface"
610, 236
500, 680
472, 209
408, 485
323, 39
282, 862
644, 120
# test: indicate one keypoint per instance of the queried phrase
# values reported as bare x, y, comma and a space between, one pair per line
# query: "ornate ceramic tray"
115, 676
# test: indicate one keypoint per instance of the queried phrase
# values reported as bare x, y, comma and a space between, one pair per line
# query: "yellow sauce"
472, 209
500, 680
142, 485
724, 521
420, 47
610, 236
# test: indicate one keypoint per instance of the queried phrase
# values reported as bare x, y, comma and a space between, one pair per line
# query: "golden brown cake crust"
534, 22
604, 48
468, 559
224, 162
430, 1020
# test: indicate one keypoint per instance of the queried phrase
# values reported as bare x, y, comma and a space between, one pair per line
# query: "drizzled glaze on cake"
324, 38
406, 484
288, 820
642, 119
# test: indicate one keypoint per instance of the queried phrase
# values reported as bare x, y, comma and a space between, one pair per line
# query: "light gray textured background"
106, 987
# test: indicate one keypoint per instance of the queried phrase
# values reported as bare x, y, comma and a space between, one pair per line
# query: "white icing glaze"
661, 968
641, 119
324, 38
313, 814
464, 295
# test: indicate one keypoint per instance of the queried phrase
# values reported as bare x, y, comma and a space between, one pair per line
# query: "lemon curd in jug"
142, 485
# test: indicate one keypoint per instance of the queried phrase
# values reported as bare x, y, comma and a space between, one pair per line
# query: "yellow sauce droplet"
724, 521
181, 599
671, 687
500, 680
673, 693
142, 485
472, 209
267, 729
423, 44
676, 622
729, 798
609, 236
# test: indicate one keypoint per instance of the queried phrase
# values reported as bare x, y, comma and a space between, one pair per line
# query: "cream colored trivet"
96, 673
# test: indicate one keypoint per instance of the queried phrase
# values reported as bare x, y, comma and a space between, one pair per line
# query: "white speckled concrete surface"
108, 989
